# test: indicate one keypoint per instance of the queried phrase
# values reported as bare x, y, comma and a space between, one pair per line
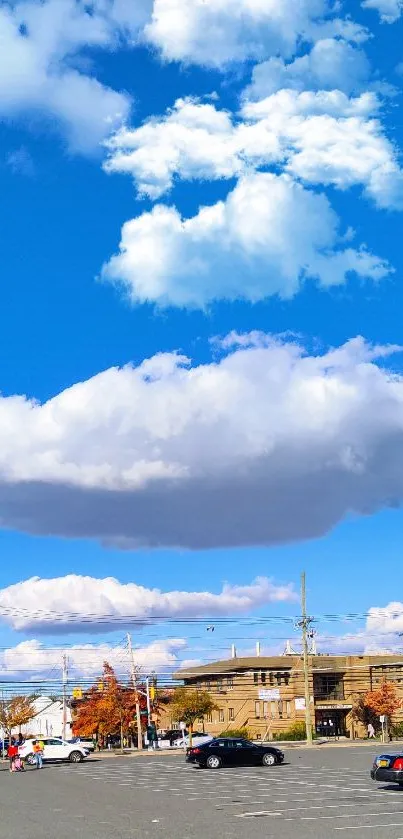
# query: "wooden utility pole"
134, 680
64, 699
304, 623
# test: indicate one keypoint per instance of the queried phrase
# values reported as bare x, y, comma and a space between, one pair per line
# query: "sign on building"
269, 694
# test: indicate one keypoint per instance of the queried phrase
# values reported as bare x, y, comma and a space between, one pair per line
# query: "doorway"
330, 723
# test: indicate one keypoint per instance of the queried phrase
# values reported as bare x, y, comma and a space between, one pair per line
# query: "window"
221, 715
230, 682
273, 709
328, 686
256, 678
288, 709
209, 718
271, 678
257, 710
263, 678
286, 678
219, 684
280, 708
231, 714
208, 684
218, 743
265, 709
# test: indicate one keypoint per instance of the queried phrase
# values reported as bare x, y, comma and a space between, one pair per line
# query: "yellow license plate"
383, 763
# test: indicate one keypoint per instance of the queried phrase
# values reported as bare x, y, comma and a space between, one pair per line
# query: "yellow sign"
152, 693
77, 693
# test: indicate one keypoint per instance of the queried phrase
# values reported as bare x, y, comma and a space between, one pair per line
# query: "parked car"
54, 749
388, 768
198, 739
85, 742
169, 737
231, 751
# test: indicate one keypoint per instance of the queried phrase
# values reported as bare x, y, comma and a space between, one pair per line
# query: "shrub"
397, 729
295, 732
236, 732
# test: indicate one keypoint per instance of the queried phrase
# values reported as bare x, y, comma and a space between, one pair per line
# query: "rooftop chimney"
257, 648
233, 651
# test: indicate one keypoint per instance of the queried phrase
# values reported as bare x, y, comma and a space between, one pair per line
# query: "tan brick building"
267, 694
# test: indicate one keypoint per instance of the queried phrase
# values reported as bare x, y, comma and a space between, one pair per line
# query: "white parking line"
369, 826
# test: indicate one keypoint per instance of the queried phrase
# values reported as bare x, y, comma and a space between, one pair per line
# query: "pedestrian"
20, 741
371, 731
12, 753
38, 748
18, 764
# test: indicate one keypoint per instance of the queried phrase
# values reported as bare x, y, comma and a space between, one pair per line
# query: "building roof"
317, 663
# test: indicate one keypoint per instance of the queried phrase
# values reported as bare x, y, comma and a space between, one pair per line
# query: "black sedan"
388, 768
231, 751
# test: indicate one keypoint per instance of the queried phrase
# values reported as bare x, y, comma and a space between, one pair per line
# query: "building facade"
267, 694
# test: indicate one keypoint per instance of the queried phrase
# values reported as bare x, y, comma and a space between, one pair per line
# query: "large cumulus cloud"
265, 445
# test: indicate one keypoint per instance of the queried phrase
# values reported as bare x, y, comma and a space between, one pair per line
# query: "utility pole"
304, 624
134, 680
65, 679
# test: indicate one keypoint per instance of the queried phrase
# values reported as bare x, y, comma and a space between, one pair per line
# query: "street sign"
382, 718
77, 693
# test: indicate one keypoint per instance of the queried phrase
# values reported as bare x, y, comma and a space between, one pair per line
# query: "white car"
197, 740
54, 749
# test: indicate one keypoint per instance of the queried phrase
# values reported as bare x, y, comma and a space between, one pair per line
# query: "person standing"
12, 753
38, 748
371, 731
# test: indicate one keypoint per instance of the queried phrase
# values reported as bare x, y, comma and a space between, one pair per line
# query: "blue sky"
256, 456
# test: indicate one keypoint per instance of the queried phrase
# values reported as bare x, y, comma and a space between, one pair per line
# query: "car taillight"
398, 763
195, 751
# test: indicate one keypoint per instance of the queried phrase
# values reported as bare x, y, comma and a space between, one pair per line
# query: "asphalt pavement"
317, 794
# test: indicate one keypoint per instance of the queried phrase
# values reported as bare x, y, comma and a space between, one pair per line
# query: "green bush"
236, 732
295, 732
397, 730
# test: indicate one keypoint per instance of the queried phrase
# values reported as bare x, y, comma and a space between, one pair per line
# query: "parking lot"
318, 793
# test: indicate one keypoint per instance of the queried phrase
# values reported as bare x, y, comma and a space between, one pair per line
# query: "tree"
109, 707
383, 701
16, 712
191, 705
363, 714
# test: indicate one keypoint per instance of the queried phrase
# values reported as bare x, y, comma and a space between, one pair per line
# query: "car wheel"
75, 757
268, 759
30, 759
213, 762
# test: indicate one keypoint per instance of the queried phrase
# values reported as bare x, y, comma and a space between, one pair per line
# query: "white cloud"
39, 43
266, 445
216, 32
323, 137
77, 603
31, 660
238, 248
332, 64
389, 10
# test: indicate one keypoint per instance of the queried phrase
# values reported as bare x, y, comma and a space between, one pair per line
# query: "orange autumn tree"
108, 707
383, 701
16, 712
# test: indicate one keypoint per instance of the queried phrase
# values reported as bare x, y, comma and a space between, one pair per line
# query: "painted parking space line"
369, 826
